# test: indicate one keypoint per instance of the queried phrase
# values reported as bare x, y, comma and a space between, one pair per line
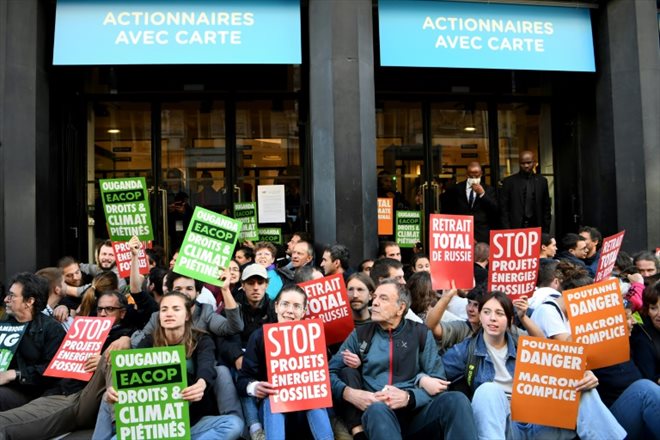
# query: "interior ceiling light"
113, 130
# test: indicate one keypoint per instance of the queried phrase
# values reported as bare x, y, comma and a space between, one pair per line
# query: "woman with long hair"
290, 305
495, 351
174, 327
106, 280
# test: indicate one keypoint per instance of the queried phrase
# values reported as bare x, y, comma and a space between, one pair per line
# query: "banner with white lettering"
408, 228
123, 256
451, 251
327, 299
208, 246
598, 320
608, 253
85, 338
385, 216
149, 382
246, 213
10, 337
546, 375
297, 362
513, 261
126, 208
274, 235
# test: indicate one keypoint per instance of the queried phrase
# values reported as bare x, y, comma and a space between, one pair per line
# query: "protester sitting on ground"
175, 327
302, 255
71, 404
450, 333
360, 289
632, 400
55, 294
290, 306
493, 382
623, 262
548, 282
307, 273
632, 287
155, 283
265, 252
389, 249
391, 269
422, 293
548, 247
104, 256
420, 262
481, 252
574, 249
594, 240
647, 264
365, 266
103, 281
335, 260
645, 340
23, 380
244, 255
400, 393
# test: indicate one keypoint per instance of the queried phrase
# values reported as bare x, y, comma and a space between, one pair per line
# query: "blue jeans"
318, 420
638, 410
448, 412
228, 427
250, 410
492, 415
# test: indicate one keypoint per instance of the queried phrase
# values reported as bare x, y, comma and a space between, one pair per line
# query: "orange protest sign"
451, 251
544, 382
608, 253
513, 262
598, 320
327, 299
85, 338
385, 216
297, 363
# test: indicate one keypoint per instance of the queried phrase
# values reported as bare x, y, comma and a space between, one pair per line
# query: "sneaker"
339, 429
259, 434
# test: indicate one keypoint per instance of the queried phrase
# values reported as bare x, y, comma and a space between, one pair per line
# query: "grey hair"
402, 292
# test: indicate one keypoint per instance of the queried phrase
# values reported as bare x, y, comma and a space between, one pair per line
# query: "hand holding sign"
588, 382
264, 389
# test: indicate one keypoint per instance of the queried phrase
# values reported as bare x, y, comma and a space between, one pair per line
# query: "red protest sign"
544, 382
385, 216
297, 362
513, 263
123, 258
598, 320
327, 299
85, 338
452, 257
608, 253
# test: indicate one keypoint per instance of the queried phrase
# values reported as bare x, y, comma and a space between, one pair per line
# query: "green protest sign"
126, 208
246, 212
274, 235
408, 228
208, 246
149, 382
10, 336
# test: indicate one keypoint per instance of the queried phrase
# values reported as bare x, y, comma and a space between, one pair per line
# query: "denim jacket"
455, 359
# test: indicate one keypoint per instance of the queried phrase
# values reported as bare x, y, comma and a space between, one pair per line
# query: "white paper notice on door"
270, 204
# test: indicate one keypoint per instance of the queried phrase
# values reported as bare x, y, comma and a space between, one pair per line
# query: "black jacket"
40, 342
512, 201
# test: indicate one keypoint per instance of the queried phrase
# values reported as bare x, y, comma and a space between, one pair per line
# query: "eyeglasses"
234, 269
286, 305
108, 309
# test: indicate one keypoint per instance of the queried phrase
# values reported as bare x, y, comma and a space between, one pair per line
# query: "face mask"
473, 180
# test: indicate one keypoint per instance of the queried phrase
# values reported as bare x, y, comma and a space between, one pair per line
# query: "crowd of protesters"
377, 394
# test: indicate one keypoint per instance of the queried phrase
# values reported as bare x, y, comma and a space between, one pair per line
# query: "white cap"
254, 270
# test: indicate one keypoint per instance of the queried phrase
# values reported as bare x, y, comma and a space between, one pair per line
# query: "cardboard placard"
385, 216
547, 372
246, 212
513, 261
297, 362
408, 228
208, 246
598, 320
126, 208
85, 338
327, 299
451, 239
149, 382
608, 253
10, 337
273, 235
123, 256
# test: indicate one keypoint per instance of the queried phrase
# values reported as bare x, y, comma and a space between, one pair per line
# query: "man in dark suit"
524, 199
471, 197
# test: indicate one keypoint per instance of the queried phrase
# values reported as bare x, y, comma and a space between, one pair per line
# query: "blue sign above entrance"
436, 33
102, 32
